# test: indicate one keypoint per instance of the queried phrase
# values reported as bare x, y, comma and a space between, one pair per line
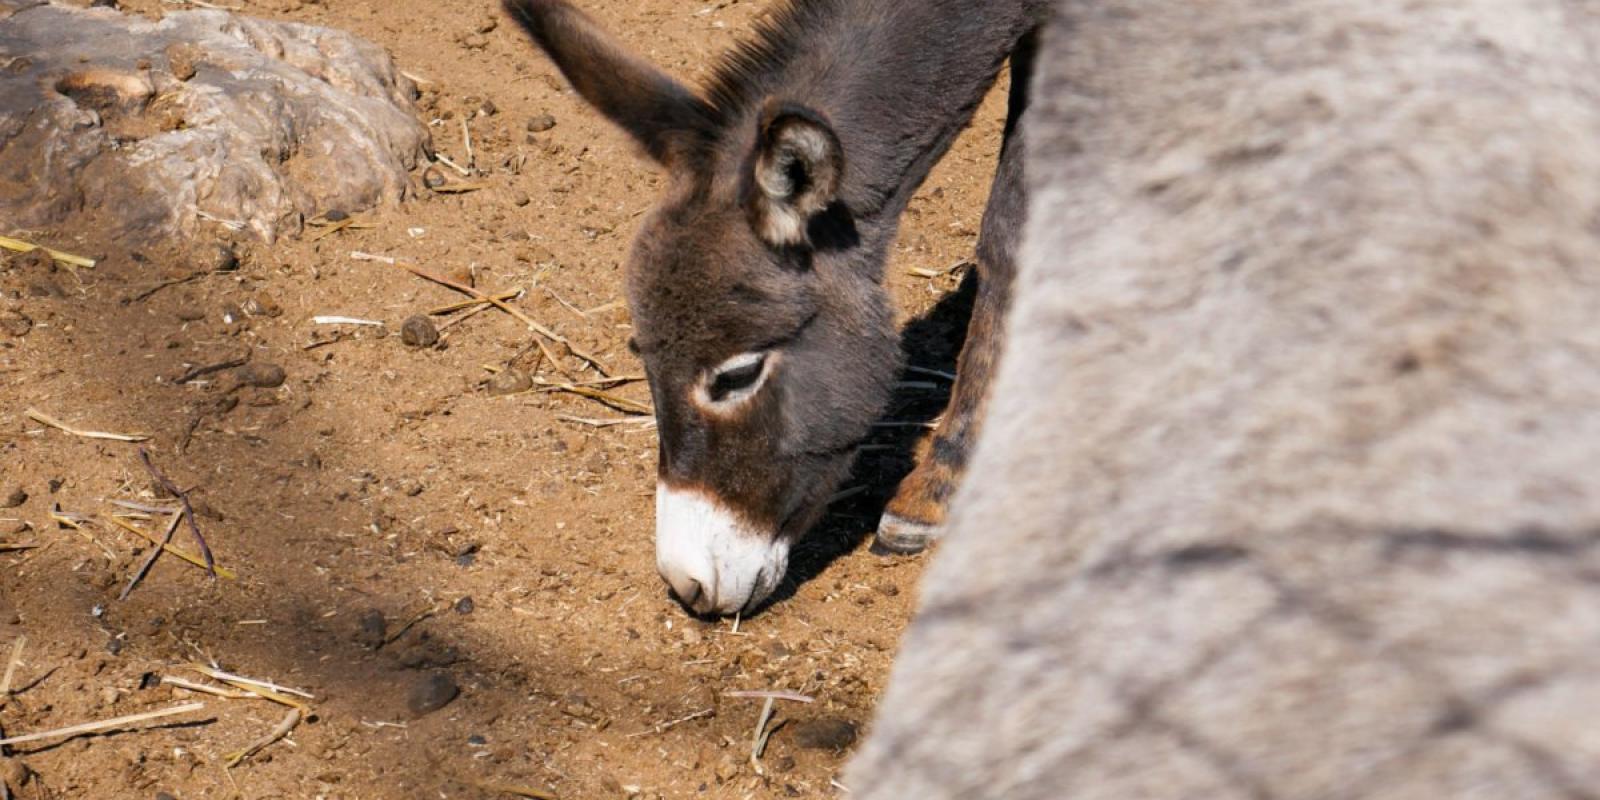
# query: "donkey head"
758, 313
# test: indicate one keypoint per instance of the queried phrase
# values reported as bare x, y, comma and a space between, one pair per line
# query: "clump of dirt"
452, 558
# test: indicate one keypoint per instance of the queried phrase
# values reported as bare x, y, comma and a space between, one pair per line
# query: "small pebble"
372, 630
336, 216
432, 692
262, 375
477, 740
165, 796
217, 258
418, 331
15, 325
465, 605
16, 498
432, 178
474, 41
827, 733
232, 314
509, 381
541, 123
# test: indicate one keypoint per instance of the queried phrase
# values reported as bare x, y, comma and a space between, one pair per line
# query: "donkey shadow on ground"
932, 341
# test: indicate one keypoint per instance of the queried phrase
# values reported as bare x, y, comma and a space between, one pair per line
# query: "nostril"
695, 591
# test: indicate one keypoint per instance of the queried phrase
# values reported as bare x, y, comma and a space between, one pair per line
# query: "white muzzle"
714, 562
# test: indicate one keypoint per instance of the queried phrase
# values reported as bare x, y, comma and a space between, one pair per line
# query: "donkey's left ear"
798, 166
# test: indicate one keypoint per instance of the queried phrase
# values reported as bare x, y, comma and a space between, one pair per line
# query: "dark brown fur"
880, 88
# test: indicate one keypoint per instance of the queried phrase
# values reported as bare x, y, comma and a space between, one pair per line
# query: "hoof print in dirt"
827, 733
432, 692
418, 331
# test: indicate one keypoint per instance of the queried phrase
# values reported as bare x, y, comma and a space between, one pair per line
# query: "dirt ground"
399, 527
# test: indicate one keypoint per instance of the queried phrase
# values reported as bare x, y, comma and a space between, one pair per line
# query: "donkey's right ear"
661, 114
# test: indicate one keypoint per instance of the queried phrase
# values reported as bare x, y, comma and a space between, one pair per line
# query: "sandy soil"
397, 527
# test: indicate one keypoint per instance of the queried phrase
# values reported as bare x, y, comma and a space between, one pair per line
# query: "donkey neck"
898, 79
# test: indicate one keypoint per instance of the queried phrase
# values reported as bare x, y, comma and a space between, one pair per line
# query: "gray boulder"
152, 130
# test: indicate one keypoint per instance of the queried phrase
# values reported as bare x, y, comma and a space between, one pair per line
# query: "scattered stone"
336, 215
520, 198
728, 768
232, 314
262, 305
465, 605
17, 497
826, 733
86, 112
165, 796
218, 257
488, 109
190, 314
15, 325
509, 381
372, 630
474, 41
488, 24
418, 331
432, 178
262, 375
541, 123
477, 740
432, 692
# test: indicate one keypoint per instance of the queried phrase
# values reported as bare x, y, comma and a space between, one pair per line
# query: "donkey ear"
798, 166
660, 113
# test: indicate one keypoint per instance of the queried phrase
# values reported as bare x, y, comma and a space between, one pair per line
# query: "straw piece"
776, 694
26, 247
45, 419
11, 666
289, 721
223, 572
105, 724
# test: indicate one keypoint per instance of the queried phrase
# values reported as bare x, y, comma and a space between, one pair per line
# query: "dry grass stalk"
759, 743
607, 423
8, 547
75, 522
21, 246
440, 157
290, 720
774, 694
149, 560
615, 401
188, 509
45, 419
266, 689
461, 188
192, 686
466, 139
662, 727
170, 282
333, 229
11, 667
509, 294
103, 725
532, 324
412, 623
222, 572
515, 790
202, 370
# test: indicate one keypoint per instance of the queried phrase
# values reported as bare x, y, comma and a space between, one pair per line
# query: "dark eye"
737, 375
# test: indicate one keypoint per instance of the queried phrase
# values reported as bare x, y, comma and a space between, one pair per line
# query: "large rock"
145, 129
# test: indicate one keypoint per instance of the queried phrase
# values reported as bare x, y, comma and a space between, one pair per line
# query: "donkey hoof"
900, 536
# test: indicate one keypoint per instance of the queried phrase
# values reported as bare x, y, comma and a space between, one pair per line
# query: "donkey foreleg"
913, 517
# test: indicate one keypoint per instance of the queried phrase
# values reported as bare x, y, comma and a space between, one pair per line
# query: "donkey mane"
740, 80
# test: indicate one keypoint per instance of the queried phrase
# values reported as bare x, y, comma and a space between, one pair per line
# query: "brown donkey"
756, 284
